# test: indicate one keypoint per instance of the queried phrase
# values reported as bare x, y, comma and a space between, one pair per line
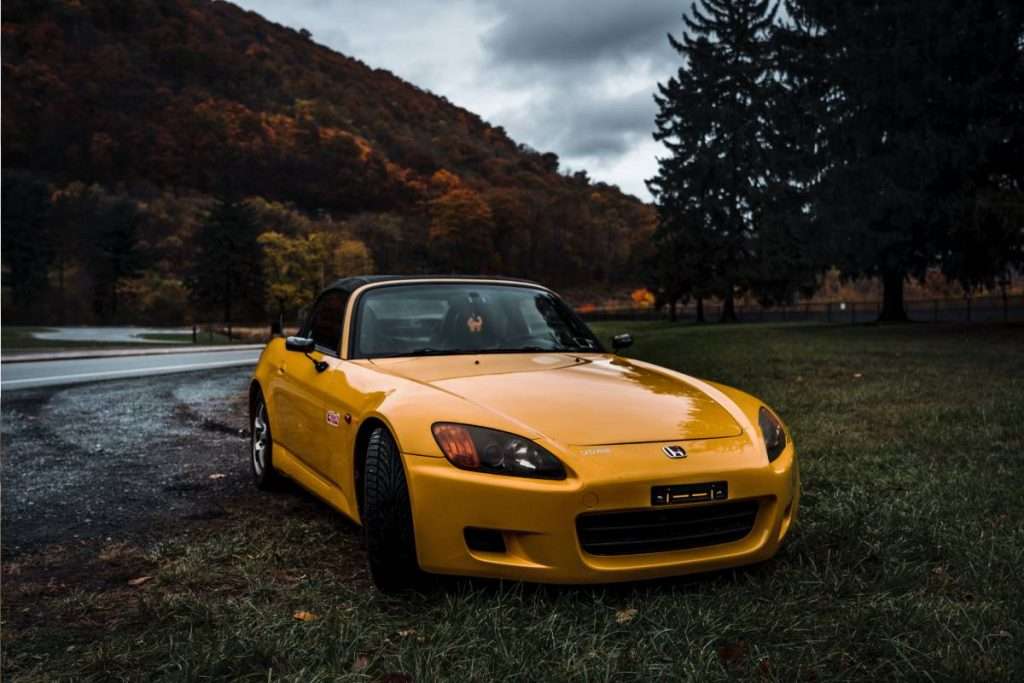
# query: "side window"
328, 318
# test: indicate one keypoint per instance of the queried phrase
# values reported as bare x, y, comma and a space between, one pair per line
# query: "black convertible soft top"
350, 284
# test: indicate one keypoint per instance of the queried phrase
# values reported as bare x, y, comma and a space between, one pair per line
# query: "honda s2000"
476, 426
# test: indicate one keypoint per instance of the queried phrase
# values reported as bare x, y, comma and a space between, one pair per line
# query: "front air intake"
485, 540
636, 532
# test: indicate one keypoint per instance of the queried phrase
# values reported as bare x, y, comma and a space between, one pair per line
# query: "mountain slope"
194, 99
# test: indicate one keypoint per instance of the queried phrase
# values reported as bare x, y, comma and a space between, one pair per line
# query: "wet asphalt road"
115, 459
26, 375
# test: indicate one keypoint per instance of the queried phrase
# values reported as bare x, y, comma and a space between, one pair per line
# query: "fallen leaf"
303, 615
406, 632
730, 654
217, 475
362, 661
624, 616
140, 580
857, 375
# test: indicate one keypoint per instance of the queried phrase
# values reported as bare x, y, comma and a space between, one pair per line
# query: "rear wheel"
387, 516
261, 444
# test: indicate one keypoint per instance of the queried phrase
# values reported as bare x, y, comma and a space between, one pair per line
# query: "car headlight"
773, 433
489, 450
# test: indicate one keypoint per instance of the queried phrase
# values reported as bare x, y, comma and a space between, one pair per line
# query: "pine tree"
226, 274
112, 249
26, 241
920, 135
714, 117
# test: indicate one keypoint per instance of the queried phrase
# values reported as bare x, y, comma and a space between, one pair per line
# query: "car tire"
387, 517
261, 446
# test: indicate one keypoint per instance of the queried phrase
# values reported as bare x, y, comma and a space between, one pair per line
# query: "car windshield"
465, 318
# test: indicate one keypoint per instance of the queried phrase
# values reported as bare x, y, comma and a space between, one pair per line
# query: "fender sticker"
333, 418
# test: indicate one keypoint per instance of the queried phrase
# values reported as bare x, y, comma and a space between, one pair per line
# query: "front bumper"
537, 519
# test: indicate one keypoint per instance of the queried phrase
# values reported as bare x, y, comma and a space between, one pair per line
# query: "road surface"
28, 375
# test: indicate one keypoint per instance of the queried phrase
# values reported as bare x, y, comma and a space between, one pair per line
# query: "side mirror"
622, 341
300, 344
305, 345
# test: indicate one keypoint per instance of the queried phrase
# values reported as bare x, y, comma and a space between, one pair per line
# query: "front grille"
658, 531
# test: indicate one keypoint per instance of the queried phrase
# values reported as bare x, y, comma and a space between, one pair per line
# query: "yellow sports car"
476, 426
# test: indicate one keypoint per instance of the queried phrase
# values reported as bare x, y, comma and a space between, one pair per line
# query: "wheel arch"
255, 390
362, 441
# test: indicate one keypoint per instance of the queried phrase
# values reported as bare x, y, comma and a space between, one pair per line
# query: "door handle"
281, 369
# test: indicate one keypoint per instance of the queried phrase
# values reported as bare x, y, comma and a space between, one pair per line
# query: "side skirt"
294, 468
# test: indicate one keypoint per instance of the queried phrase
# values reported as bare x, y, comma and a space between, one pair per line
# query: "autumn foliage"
167, 109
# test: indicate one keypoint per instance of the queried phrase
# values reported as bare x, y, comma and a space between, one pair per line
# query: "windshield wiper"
430, 351
534, 349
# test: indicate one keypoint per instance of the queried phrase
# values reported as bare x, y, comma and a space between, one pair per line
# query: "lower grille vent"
656, 531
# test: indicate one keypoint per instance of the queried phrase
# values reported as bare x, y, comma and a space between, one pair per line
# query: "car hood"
593, 399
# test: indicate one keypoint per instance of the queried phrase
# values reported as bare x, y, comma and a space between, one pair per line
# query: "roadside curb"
116, 353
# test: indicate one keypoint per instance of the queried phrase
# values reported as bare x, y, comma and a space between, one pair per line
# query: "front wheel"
387, 517
261, 446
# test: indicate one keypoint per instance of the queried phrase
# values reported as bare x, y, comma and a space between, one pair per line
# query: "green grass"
203, 337
21, 339
905, 563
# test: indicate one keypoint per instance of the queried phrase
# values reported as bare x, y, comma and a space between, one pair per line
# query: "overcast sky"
570, 76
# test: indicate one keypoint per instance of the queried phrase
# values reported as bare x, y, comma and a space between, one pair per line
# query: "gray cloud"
592, 66
609, 125
549, 33
589, 124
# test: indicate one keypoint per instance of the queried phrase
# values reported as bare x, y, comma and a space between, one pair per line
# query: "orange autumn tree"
462, 232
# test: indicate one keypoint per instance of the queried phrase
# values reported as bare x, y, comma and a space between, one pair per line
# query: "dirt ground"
112, 460
96, 478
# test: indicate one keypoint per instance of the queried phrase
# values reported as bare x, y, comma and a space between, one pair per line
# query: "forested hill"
168, 109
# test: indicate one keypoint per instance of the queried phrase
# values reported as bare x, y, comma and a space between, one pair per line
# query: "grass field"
906, 561
21, 339
204, 338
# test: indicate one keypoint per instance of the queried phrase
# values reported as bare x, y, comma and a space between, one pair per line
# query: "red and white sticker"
333, 418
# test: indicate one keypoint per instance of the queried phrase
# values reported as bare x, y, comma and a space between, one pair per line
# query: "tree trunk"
60, 268
227, 305
700, 309
728, 309
892, 297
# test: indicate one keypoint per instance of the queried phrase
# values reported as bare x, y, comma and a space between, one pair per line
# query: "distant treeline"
882, 138
175, 160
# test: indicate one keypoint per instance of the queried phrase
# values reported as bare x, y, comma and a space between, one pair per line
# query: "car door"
307, 411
